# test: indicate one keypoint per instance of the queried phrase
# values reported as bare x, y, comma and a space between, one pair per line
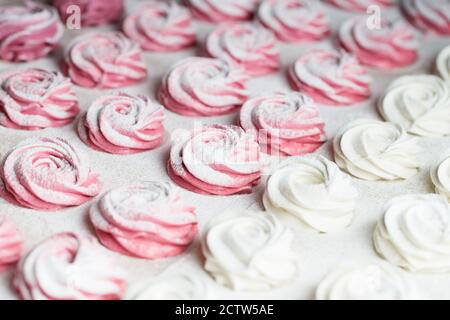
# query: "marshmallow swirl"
203, 87
10, 243
249, 251
123, 124
294, 20
440, 176
331, 77
247, 46
285, 123
68, 267
443, 64
393, 45
375, 150
222, 11
48, 174
146, 220
360, 5
418, 103
415, 233
33, 99
428, 15
104, 60
216, 159
160, 26
28, 32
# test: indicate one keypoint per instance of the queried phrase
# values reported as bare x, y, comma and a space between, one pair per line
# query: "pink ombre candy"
28, 32
361, 5
104, 60
92, 12
428, 15
247, 46
48, 174
286, 124
33, 99
331, 77
160, 26
216, 159
223, 10
294, 20
203, 87
393, 45
123, 124
147, 220
67, 266
10, 243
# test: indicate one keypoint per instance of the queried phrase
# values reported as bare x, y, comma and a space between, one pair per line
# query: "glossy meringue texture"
29, 32
104, 60
375, 150
314, 190
32, 99
47, 174
418, 103
443, 64
428, 15
222, 11
215, 160
10, 243
285, 124
249, 251
146, 220
92, 12
360, 5
294, 20
203, 87
160, 26
67, 266
440, 176
247, 46
123, 124
414, 233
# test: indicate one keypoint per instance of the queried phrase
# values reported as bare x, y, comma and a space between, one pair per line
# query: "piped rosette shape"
360, 5
10, 243
440, 176
443, 64
222, 11
428, 15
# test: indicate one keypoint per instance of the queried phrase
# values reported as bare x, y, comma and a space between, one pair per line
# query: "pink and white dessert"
33, 99
331, 77
203, 87
428, 15
216, 160
146, 220
67, 266
247, 46
393, 45
160, 26
361, 5
286, 124
123, 124
104, 60
223, 10
47, 174
28, 32
10, 243
294, 20
92, 12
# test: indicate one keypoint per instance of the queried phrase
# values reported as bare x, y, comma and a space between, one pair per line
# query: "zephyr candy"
222, 11
10, 243
428, 15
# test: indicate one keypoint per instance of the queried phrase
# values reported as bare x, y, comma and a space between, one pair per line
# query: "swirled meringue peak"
418, 103
294, 20
92, 12
331, 77
216, 159
33, 99
203, 87
249, 251
146, 220
415, 233
443, 64
375, 150
10, 243
314, 190
285, 123
394, 45
104, 60
67, 266
247, 46
428, 15
48, 174
440, 176
160, 26
360, 5
222, 11
123, 124
378, 281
